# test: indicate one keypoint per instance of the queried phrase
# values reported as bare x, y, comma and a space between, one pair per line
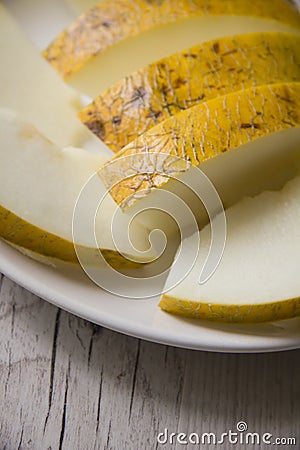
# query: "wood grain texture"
68, 384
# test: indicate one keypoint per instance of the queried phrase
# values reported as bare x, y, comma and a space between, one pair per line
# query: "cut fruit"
213, 137
163, 89
30, 87
81, 6
258, 276
40, 187
155, 29
41, 21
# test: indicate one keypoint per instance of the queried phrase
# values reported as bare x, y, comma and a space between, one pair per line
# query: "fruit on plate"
156, 29
29, 86
239, 122
153, 94
245, 142
258, 276
40, 186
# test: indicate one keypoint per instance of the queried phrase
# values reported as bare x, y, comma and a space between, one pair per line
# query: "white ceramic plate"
71, 290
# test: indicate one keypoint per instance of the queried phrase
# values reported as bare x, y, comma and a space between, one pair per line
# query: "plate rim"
46, 292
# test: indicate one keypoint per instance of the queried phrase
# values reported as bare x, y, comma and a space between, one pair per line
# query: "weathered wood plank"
222, 389
156, 395
68, 384
26, 329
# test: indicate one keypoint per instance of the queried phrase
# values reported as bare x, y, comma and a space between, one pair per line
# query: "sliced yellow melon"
29, 86
153, 94
258, 276
155, 29
245, 142
41, 21
81, 6
40, 187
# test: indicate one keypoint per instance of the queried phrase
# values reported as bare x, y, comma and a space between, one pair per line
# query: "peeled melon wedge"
153, 94
258, 276
40, 188
29, 86
113, 39
245, 142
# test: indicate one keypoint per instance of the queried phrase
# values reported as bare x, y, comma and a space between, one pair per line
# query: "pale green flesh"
31, 87
41, 184
107, 68
81, 6
266, 163
260, 263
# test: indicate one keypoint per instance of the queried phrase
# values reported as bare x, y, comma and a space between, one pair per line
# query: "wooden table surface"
68, 384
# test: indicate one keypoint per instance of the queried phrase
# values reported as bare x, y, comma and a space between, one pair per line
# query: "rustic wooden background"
68, 384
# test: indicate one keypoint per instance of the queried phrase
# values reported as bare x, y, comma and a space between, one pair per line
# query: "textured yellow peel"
199, 134
111, 22
231, 313
19, 232
153, 94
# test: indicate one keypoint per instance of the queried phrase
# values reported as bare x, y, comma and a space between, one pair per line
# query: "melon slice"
245, 142
40, 187
81, 6
29, 86
258, 276
153, 94
40, 20
155, 29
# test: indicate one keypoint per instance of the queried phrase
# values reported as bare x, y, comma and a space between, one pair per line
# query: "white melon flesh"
258, 276
114, 64
263, 164
31, 16
29, 86
81, 6
40, 185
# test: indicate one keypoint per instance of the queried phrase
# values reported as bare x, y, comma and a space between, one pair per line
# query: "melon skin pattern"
109, 23
198, 135
257, 279
153, 94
